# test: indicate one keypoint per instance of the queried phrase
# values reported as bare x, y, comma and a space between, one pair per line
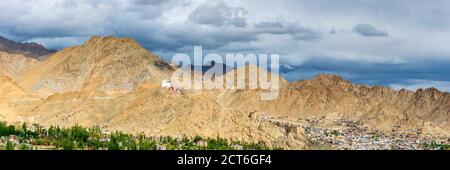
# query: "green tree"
10, 146
25, 147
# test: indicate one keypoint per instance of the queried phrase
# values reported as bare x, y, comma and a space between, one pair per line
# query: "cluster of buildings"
351, 135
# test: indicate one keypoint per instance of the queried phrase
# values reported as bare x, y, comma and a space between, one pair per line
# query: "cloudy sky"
396, 43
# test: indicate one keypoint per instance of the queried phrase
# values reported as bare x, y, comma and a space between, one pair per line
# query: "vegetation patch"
81, 138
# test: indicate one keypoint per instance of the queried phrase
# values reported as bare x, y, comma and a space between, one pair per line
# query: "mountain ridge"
115, 64
29, 49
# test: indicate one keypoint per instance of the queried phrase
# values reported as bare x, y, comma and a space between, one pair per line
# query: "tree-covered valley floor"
35, 137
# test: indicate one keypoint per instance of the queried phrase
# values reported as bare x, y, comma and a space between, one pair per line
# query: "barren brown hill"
9, 88
108, 64
333, 97
14, 65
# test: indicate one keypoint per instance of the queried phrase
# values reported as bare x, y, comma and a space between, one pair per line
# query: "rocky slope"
14, 65
333, 97
107, 64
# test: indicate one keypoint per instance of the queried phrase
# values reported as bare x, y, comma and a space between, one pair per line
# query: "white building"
166, 84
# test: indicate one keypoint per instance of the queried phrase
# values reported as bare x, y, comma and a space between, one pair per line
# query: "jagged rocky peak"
431, 93
110, 42
428, 91
29, 49
111, 50
329, 79
107, 64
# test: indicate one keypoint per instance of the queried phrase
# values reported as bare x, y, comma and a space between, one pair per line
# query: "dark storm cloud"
369, 31
332, 32
297, 31
209, 39
150, 2
269, 25
219, 14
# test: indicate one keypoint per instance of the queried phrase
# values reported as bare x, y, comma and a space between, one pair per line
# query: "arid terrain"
115, 83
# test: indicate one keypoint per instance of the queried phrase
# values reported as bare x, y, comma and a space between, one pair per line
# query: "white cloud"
288, 66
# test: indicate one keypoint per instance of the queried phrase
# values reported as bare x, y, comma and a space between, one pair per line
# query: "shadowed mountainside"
29, 49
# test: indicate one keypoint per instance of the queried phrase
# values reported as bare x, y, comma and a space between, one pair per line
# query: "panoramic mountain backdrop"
115, 82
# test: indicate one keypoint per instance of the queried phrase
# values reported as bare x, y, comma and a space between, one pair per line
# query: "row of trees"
437, 146
82, 138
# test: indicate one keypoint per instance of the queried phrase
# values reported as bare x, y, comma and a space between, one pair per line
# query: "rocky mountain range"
115, 82
29, 49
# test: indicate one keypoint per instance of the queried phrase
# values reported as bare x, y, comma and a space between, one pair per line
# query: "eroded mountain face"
114, 82
15, 65
103, 64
